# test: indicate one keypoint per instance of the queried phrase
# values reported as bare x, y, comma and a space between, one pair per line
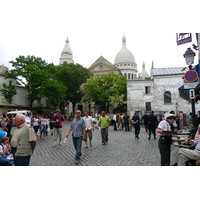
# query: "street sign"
183, 38
190, 85
191, 76
192, 94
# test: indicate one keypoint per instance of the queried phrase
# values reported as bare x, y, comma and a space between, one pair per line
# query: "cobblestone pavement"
123, 149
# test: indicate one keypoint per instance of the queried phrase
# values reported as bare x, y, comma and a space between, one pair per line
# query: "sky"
96, 28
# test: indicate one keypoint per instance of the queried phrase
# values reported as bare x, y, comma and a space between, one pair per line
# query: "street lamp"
189, 58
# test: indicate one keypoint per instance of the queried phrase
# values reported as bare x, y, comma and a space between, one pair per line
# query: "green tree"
55, 92
72, 76
107, 89
8, 91
34, 73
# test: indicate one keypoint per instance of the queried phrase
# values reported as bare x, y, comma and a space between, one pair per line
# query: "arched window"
129, 76
125, 75
132, 77
167, 97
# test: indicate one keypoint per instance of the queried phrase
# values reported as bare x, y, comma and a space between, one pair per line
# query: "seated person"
197, 135
187, 154
5, 152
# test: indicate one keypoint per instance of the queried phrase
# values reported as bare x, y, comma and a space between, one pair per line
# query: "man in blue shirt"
78, 132
136, 123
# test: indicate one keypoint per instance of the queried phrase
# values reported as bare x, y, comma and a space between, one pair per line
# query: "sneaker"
53, 145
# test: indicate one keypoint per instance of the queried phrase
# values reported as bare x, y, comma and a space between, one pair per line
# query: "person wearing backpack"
57, 122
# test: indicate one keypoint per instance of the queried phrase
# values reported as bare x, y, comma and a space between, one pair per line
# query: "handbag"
56, 124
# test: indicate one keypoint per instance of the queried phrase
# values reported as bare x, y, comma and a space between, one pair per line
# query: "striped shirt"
78, 125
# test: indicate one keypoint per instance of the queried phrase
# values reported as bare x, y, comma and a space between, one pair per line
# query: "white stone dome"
124, 55
144, 74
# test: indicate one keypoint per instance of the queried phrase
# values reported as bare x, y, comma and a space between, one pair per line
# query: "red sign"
191, 76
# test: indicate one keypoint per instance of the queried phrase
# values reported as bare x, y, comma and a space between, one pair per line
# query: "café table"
182, 133
184, 145
183, 138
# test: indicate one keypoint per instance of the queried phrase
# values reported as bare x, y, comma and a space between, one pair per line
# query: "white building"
159, 94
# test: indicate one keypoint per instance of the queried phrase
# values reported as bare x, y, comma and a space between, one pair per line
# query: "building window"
100, 67
10, 82
132, 76
148, 106
147, 90
167, 97
129, 76
125, 74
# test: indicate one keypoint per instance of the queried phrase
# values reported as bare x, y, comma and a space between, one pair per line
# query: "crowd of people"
18, 147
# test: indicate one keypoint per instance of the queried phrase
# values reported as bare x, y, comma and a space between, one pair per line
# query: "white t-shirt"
88, 122
2, 148
164, 125
36, 120
43, 121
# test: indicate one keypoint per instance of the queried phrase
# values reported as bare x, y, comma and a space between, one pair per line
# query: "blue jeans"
4, 160
77, 141
43, 128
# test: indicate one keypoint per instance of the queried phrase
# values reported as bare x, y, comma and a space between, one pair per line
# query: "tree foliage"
34, 73
8, 91
106, 89
73, 76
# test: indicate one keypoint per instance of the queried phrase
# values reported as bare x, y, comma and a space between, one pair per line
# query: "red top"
61, 119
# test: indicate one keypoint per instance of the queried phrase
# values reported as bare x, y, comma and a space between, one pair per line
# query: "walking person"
23, 141
145, 119
9, 125
77, 126
36, 124
58, 121
104, 123
164, 143
126, 122
136, 123
114, 119
50, 123
4, 119
120, 122
152, 124
43, 127
89, 128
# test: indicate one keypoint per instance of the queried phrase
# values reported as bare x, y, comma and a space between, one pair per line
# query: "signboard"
191, 76
192, 94
183, 38
191, 85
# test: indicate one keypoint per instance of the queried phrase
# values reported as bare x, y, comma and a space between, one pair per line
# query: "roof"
168, 71
102, 60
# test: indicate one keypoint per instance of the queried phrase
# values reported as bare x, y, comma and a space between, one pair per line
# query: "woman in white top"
43, 126
36, 124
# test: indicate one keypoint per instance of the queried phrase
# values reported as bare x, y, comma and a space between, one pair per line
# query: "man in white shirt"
89, 128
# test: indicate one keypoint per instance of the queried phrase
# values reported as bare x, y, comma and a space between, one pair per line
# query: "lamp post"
189, 58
